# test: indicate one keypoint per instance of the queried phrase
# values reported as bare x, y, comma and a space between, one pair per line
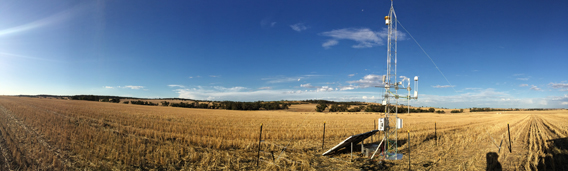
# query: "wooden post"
374, 128
435, 134
323, 137
259, 140
409, 150
351, 151
509, 131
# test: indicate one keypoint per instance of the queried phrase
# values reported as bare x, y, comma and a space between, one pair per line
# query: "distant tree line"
487, 109
139, 102
333, 102
230, 105
457, 111
369, 108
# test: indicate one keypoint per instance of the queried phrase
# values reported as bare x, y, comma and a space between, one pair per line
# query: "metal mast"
391, 123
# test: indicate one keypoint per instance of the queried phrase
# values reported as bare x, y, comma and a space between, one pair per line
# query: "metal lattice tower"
391, 99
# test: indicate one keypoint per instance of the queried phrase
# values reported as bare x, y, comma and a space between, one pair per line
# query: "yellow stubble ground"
97, 135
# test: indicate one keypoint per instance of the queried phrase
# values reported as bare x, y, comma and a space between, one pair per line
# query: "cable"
428, 56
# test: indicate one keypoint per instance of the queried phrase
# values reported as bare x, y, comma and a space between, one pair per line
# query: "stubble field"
51, 134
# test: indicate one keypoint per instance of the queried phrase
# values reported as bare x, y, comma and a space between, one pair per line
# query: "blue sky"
494, 53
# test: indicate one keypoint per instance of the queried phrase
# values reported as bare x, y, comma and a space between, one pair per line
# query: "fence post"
323, 137
436, 133
351, 151
509, 131
408, 149
374, 128
259, 140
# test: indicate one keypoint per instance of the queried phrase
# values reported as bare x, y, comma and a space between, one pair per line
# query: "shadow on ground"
556, 157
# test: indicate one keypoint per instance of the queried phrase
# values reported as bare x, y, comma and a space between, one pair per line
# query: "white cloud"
265, 88
190, 77
523, 85
370, 80
533, 87
350, 87
307, 85
443, 86
351, 75
298, 27
324, 88
173, 85
477, 98
272, 24
329, 43
559, 85
324, 92
109, 87
132, 87
318, 88
214, 76
365, 37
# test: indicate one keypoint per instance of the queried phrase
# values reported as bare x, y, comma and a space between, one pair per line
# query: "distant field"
52, 134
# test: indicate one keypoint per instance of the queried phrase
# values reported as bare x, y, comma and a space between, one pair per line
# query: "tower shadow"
493, 162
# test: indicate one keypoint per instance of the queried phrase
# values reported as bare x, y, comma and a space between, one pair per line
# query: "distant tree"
334, 108
461, 110
431, 110
321, 107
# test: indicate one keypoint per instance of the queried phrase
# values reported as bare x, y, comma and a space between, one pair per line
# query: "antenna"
391, 122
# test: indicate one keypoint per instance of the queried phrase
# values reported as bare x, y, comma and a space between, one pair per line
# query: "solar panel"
351, 139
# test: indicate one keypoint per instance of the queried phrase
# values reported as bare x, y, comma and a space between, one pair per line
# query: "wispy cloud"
299, 27
560, 85
321, 93
307, 85
221, 88
329, 43
523, 85
283, 79
533, 87
214, 76
524, 79
3, 54
516, 75
265, 88
174, 85
476, 98
443, 86
133, 87
365, 37
351, 75
125, 87
50, 20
